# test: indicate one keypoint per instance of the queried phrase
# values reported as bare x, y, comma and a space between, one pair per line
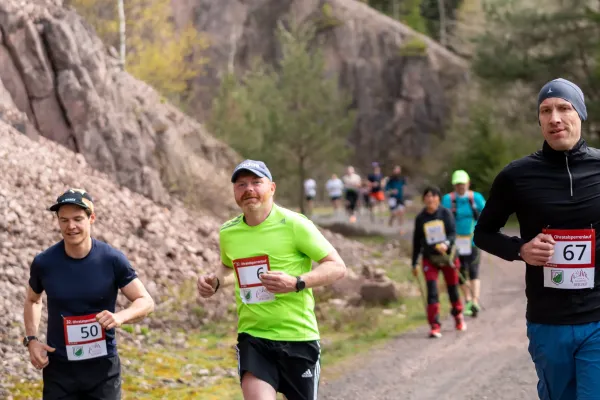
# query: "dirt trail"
489, 361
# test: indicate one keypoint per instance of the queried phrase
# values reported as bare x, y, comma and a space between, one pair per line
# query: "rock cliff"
403, 83
59, 81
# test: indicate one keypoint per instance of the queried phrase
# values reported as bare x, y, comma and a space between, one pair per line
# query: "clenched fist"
539, 250
207, 285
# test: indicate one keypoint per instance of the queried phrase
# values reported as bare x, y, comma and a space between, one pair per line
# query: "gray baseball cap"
258, 168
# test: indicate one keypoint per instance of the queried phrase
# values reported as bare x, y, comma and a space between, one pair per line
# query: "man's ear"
92, 218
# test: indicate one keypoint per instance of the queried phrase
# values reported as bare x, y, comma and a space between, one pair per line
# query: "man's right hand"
539, 250
207, 285
38, 353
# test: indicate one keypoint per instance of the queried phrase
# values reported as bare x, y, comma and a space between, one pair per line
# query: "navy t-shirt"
77, 287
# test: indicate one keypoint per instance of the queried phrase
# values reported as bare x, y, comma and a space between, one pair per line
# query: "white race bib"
573, 264
84, 338
464, 245
247, 271
435, 232
392, 202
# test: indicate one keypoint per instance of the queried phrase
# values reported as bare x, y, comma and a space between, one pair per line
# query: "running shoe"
353, 219
468, 310
475, 310
460, 323
435, 332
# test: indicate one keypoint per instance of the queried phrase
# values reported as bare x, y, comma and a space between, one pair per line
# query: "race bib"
392, 202
464, 245
435, 232
572, 265
247, 271
84, 338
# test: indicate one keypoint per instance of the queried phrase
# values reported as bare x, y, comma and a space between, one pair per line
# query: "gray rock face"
58, 80
403, 95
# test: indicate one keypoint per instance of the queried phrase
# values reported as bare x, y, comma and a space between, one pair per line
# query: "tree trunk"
122, 21
302, 175
442, 12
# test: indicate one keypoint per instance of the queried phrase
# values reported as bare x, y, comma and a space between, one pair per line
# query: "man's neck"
257, 217
431, 210
79, 251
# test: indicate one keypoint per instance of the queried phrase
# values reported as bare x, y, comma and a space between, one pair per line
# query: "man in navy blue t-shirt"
81, 277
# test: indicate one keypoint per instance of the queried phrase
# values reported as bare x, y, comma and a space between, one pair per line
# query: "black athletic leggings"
351, 199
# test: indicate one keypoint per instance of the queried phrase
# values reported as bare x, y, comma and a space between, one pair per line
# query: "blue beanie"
565, 90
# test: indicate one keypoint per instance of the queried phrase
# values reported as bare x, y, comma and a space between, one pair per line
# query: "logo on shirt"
579, 278
78, 351
558, 276
263, 294
95, 349
247, 293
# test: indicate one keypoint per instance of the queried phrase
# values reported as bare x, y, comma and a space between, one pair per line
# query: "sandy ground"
488, 361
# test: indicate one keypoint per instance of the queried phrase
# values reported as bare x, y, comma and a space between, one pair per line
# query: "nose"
71, 225
555, 117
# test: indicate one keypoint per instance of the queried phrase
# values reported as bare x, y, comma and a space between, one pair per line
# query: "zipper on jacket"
570, 176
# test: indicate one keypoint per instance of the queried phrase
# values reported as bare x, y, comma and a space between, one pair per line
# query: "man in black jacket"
555, 194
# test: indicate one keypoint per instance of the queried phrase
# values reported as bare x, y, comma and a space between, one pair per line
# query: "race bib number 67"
573, 263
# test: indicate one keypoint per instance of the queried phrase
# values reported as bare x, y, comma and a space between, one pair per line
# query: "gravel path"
489, 361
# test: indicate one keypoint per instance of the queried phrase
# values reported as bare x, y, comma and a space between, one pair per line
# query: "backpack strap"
453, 207
471, 196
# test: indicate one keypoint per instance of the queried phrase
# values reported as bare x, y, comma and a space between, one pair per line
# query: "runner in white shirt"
335, 189
310, 191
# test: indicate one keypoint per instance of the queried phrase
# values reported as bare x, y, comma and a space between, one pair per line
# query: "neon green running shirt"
290, 242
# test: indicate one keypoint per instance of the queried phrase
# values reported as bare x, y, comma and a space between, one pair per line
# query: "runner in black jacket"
555, 194
433, 238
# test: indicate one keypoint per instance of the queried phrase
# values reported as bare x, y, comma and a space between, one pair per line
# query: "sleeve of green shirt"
224, 259
309, 240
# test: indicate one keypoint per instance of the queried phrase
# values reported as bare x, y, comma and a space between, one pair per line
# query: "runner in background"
352, 183
272, 250
466, 205
310, 192
335, 189
365, 199
376, 194
433, 238
394, 189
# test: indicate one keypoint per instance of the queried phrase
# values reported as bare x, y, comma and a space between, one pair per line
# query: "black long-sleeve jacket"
547, 189
419, 242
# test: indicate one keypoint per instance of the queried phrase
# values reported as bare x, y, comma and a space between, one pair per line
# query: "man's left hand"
109, 320
278, 282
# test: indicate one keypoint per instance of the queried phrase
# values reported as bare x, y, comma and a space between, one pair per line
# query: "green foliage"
562, 44
414, 46
293, 116
157, 52
430, 12
327, 20
482, 146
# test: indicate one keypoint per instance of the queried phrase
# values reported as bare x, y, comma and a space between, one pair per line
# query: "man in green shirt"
268, 251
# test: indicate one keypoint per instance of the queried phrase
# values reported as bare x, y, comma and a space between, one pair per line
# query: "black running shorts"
469, 265
98, 378
292, 368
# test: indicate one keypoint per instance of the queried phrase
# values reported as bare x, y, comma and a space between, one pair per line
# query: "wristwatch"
28, 339
300, 284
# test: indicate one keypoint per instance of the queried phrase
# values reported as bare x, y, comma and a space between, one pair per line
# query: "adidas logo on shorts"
307, 374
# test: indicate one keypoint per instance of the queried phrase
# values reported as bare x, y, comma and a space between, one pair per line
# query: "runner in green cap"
466, 205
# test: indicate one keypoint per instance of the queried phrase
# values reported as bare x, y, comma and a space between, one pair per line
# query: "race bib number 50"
84, 338
247, 271
573, 263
